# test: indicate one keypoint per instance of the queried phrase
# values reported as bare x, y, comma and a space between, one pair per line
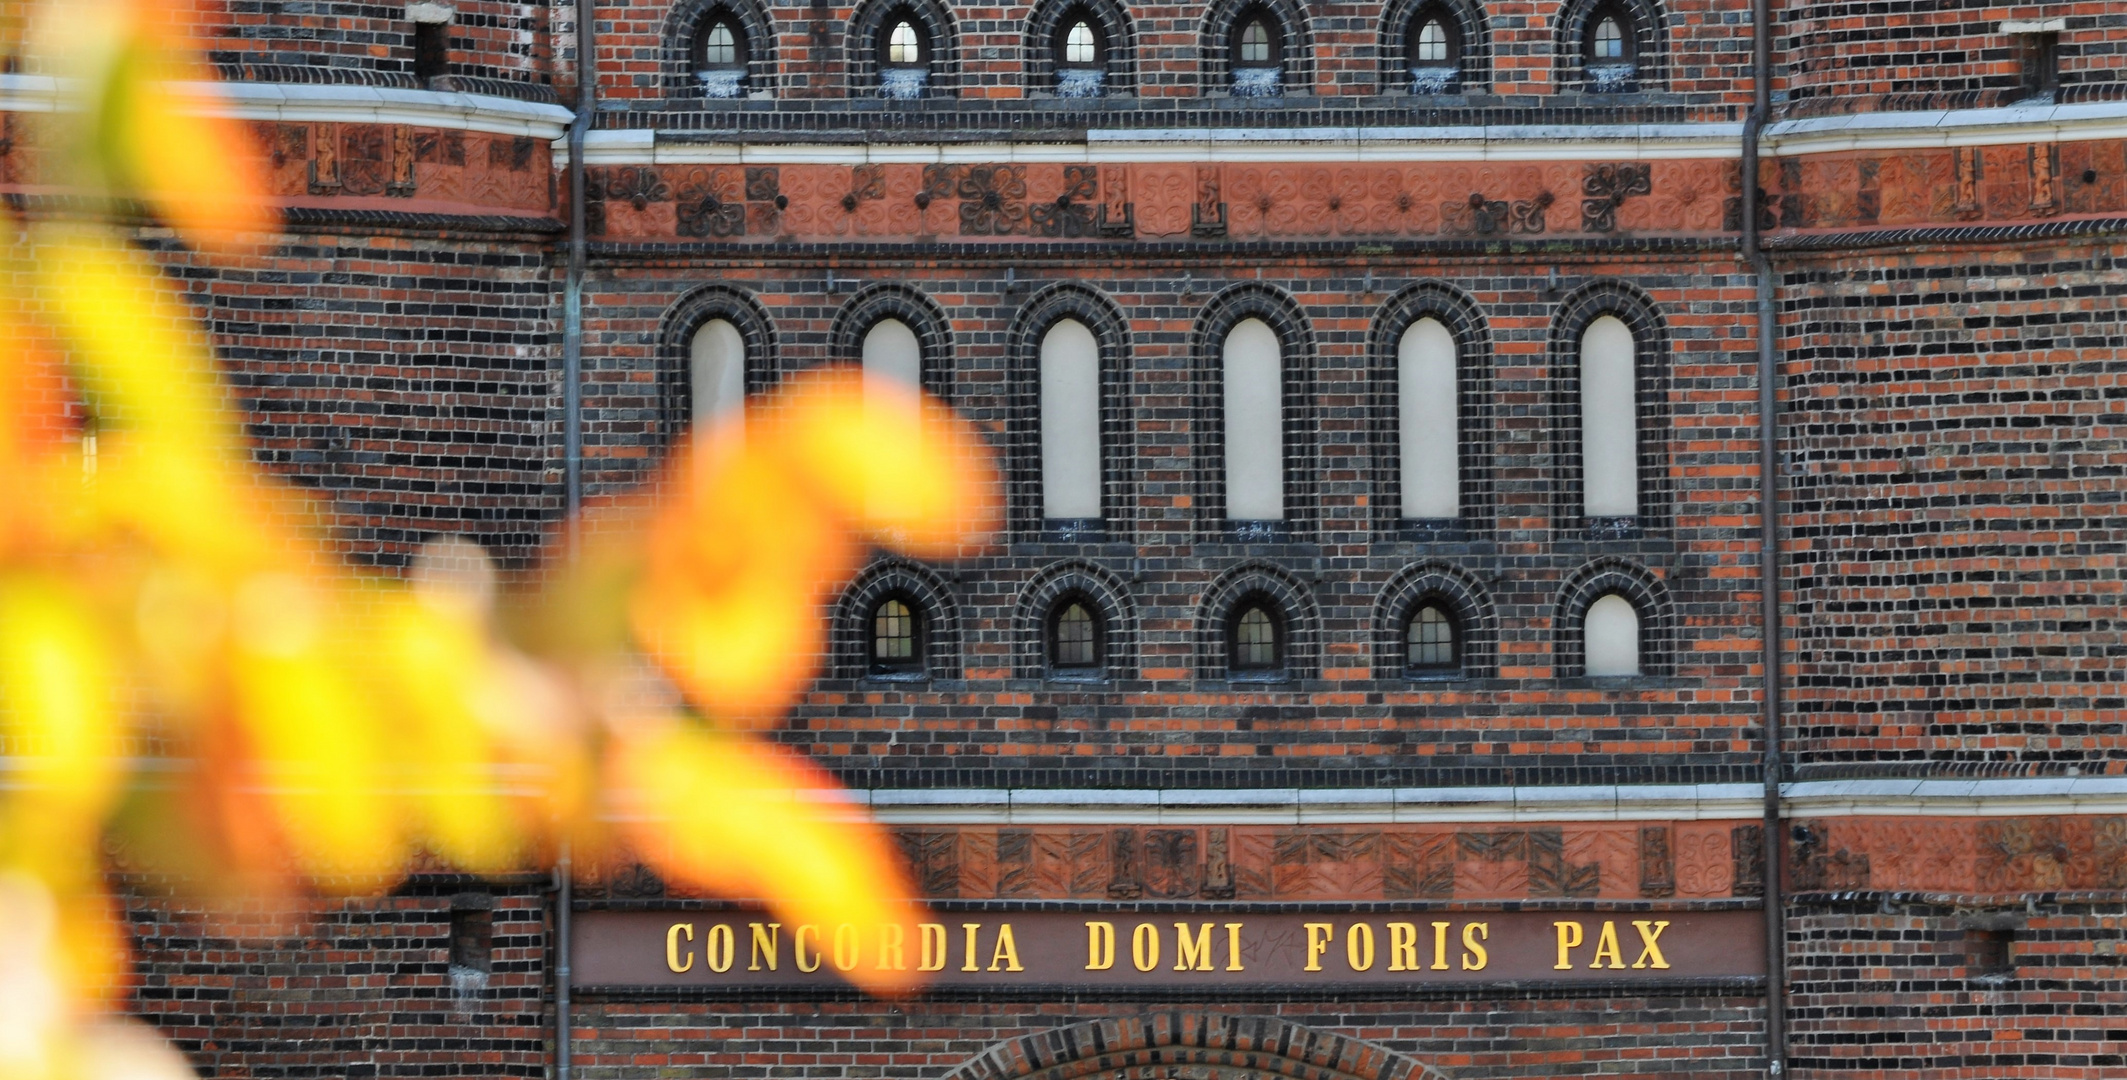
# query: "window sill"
1258, 532
1612, 528
1077, 679
898, 678
1259, 678
1072, 530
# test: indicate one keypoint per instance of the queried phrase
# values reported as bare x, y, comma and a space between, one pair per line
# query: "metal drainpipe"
1768, 536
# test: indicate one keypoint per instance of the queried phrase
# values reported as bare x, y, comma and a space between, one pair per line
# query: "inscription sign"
1210, 949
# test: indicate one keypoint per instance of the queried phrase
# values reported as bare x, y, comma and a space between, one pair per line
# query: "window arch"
1069, 416
1609, 415
717, 354
1256, 640
1458, 640
1616, 45
1610, 636
1256, 54
718, 49
1434, 51
1429, 418
892, 353
1433, 640
722, 54
902, 50
1078, 638
899, 642
1252, 358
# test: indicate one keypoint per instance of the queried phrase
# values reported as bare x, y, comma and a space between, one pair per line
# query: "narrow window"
1258, 56
1987, 953
432, 50
1609, 39
896, 638
1435, 52
1074, 637
1081, 57
472, 934
892, 354
719, 373
1611, 636
1427, 415
1608, 51
1610, 467
1070, 423
1257, 641
720, 56
904, 59
1435, 647
1255, 423
2038, 59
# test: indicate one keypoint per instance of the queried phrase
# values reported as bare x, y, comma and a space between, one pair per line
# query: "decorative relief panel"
2018, 183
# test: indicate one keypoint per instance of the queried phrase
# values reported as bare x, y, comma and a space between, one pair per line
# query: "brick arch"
1650, 39
1477, 620
1115, 22
1111, 330
1284, 315
1474, 74
675, 355
1296, 607
1466, 321
1650, 335
1298, 45
1224, 1047
685, 21
1102, 589
928, 593
1659, 646
893, 301
860, 45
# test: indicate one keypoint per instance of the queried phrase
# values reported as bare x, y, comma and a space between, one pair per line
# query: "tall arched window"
1254, 366
721, 55
1428, 418
1255, 641
1611, 636
1075, 646
1081, 56
1609, 420
896, 638
904, 57
719, 373
892, 353
1070, 423
1257, 54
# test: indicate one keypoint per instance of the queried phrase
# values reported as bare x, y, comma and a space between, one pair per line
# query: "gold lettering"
722, 944
1606, 945
797, 948
1440, 946
931, 954
1100, 946
1474, 958
968, 964
1402, 946
1007, 950
1192, 954
770, 941
1648, 948
1569, 935
1145, 947
1359, 946
845, 958
672, 947
1318, 938
893, 937
1233, 946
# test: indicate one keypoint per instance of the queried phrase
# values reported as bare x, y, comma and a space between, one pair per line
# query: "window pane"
1255, 429
902, 46
1070, 422
1427, 416
719, 373
1079, 46
1255, 641
1074, 638
722, 46
1610, 480
1611, 632
1433, 43
894, 633
1432, 639
1255, 44
1609, 40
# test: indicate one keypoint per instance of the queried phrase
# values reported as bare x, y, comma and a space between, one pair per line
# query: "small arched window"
1608, 51
904, 57
1070, 423
1610, 634
896, 638
1434, 52
1075, 645
1257, 55
1434, 641
1427, 413
1256, 641
1610, 466
1081, 56
721, 55
1255, 423
719, 374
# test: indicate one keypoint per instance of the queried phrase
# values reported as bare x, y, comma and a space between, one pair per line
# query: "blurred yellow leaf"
898, 465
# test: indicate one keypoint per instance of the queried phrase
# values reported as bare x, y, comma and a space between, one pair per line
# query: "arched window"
1611, 636
892, 353
721, 55
1081, 56
1257, 54
1434, 51
1255, 641
1075, 645
1435, 641
896, 638
1608, 51
1255, 423
719, 373
1427, 413
1070, 423
904, 57
1609, 421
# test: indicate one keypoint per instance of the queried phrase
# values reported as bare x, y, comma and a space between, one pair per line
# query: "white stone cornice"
1879, 131
325, 103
